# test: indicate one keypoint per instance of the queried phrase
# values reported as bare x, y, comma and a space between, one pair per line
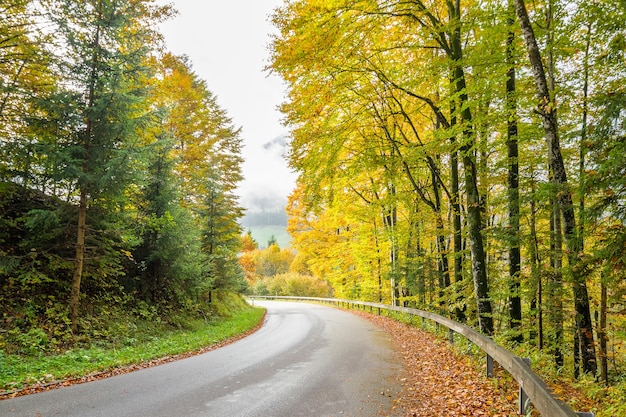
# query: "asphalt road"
307, 360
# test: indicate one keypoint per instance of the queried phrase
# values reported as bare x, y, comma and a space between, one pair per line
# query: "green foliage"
612, 400
390, 104
128, 138
167, 264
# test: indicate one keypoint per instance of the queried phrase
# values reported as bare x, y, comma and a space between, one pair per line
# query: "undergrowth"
122, 340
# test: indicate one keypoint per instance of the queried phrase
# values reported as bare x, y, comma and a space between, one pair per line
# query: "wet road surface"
306, 360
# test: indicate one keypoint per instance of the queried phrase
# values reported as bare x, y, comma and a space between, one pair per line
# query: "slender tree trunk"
604, 367
474, 212
444, 267
457, 235
83, 184
556, 284
479, 269
515, 303
540, 312
536, 265
413, 249
577, 351
547, 110
389, 220
583, 139
378, 264
455, 204
536, 302
578, 345
79, 260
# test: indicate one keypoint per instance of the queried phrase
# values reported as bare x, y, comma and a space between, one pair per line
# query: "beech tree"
548, 110
344, 62
419, 123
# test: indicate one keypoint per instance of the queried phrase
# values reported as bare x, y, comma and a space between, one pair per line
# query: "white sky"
227, 42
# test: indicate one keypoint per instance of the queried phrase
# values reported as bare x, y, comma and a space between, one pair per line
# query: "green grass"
148, 343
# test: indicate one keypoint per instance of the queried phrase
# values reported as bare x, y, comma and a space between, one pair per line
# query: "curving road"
306, 360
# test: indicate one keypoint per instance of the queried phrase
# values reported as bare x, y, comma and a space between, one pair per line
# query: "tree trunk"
536, 267
515, 303
83, 184
79, 260
455, 205
444, 269
479, 269
583, 140
475, 225
536, 302
547, 109
390, 221
602, 336
556, 284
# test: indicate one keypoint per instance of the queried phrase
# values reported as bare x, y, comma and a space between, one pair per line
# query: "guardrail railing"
532, 387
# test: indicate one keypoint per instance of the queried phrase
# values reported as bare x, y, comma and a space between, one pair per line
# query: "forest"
466, 157
469, 158
118, 172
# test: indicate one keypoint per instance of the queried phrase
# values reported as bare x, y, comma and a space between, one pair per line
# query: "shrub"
293, 284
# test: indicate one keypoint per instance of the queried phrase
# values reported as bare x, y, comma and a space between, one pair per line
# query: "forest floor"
438, 382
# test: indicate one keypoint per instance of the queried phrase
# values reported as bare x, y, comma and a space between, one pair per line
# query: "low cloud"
264, 199
278, 146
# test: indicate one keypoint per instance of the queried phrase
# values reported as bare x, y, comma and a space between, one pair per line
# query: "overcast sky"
227, 42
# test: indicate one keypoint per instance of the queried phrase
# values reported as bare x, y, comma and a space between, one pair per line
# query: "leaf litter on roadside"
436, 382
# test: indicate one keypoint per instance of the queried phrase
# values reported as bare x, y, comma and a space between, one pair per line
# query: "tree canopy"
118, 166
461, 157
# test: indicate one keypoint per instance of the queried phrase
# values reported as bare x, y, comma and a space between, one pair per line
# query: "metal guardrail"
531, 385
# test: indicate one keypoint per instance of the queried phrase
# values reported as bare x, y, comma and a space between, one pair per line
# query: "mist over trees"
276, 217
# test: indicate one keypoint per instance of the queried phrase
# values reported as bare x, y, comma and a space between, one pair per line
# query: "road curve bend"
306, 360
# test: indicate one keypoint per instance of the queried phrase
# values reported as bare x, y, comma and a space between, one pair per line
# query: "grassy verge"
150, 344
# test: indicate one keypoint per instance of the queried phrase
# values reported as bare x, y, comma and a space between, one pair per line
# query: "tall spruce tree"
168, 260
101, 46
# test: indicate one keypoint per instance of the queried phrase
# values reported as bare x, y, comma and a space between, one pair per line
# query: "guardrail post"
524, 402
490, 372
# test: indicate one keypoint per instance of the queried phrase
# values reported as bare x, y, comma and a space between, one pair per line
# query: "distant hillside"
262, 235
265, 224
265, 218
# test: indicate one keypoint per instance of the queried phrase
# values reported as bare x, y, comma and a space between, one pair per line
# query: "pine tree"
101, 48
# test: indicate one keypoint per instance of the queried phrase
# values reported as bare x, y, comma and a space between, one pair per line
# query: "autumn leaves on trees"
449, 155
